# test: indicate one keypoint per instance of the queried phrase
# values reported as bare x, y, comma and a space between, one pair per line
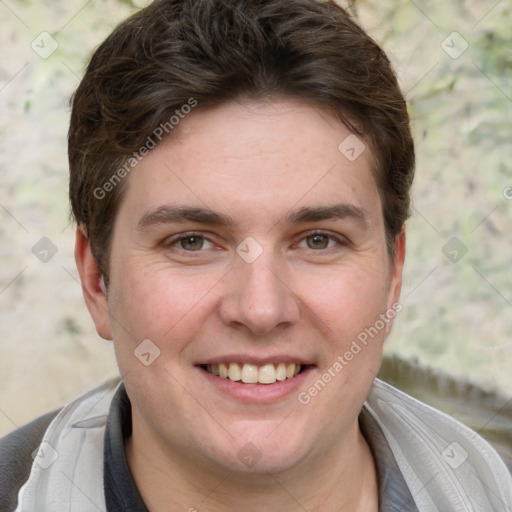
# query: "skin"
256, 162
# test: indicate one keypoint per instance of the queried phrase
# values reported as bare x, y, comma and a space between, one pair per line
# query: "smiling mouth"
253, 374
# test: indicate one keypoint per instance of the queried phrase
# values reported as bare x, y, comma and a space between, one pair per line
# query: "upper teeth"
252, 374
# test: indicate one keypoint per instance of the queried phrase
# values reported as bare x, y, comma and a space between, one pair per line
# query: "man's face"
250, 239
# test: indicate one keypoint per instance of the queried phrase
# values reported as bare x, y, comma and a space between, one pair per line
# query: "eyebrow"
180, 214
167, 214
337, 211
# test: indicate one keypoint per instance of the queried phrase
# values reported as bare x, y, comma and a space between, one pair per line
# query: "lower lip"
258, 393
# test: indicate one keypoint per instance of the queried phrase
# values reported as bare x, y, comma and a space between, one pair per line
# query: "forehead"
244, 157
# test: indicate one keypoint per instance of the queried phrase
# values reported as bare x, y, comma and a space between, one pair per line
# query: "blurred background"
454, 63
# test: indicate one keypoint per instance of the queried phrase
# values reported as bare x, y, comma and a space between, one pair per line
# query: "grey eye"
192, 243
317, 241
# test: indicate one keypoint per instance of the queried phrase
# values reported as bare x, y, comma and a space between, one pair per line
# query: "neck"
343, 479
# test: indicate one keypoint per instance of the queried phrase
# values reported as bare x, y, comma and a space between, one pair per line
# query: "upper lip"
257, 361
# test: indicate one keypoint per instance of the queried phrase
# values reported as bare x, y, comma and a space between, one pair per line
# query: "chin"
261, 452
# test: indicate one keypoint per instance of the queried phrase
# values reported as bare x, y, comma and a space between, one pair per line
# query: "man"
240, 176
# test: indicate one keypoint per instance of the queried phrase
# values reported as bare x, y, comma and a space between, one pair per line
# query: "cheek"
350, 307
154, 302
348, 300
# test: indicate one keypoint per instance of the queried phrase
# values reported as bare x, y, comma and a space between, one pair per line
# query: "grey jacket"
446, 466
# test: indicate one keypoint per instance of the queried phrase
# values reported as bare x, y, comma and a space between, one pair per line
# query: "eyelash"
338, 239
169, 243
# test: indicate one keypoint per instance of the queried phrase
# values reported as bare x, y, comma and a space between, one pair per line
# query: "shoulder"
439, 456
16, 451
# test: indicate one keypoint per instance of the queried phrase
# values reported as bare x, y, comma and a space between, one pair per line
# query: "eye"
191, 242
318, 241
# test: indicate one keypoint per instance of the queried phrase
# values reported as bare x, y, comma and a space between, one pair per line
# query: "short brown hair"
213, 51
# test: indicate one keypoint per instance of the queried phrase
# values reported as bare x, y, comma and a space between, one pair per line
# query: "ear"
396, 269
93, 286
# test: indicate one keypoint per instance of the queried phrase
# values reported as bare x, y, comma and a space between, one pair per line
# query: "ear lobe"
93, 286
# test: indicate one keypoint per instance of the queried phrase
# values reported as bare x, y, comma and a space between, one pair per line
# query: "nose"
259, 299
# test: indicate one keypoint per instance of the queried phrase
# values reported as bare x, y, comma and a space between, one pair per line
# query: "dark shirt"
121, 494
